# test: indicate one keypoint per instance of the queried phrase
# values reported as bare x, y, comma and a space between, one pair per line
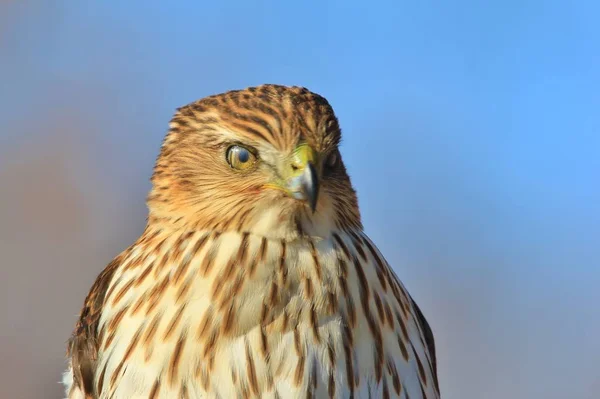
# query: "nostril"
295, 168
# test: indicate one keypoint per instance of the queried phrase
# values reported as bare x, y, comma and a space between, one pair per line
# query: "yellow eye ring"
240, 157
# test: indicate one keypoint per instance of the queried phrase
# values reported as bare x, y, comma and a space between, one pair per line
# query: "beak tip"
311, 186
313, 206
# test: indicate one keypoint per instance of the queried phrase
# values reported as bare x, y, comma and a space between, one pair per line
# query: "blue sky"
471, 131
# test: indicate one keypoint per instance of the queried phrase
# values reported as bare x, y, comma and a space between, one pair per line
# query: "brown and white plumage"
253, 278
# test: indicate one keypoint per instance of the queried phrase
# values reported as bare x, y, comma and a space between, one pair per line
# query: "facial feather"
194, 185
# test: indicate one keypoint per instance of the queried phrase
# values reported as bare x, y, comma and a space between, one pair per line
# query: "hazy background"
471, 132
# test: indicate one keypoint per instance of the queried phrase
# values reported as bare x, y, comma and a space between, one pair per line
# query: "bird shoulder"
82, 347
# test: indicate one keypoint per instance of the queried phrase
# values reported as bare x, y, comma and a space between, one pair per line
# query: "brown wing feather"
429, 341
82, 347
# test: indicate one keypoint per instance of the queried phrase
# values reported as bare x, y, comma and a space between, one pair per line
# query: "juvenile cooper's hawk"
253, 277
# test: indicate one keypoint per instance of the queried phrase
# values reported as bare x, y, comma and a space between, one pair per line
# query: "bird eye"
239, 157
332, 159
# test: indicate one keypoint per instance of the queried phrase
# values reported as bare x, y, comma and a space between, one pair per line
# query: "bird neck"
233, 274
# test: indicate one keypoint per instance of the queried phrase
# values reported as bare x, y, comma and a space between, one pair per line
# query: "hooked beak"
300, 177
308, 183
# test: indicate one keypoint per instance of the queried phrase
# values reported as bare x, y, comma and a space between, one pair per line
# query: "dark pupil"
243, 156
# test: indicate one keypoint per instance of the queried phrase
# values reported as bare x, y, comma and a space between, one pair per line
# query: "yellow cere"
303, 154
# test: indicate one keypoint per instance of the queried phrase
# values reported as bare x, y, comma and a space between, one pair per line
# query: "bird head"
263, 160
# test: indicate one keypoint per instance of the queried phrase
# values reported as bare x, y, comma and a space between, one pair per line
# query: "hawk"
253, 277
